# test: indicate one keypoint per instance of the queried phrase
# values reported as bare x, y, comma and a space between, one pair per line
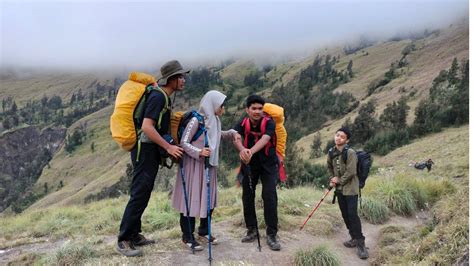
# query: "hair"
254, 99
172, 78
346, 131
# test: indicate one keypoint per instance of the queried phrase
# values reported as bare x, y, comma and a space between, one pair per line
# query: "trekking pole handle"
206, 145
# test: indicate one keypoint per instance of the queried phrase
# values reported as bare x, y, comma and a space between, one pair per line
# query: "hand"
237, 137
335, 180
205, 152
246, 155
175, 151
332, 184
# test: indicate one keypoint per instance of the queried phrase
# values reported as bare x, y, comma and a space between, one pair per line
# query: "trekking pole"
249, 176
315, 208
208, 184
186, 201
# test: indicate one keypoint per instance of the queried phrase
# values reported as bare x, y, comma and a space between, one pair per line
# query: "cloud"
126, 35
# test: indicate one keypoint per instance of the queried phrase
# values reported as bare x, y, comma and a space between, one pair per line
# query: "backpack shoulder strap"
201, 125
344, 153
246, 125
165, 108
263, 124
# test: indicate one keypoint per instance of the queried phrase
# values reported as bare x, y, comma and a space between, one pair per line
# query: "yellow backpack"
278, 115
129, 104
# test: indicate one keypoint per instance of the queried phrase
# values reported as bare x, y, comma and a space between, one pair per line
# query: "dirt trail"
231, 250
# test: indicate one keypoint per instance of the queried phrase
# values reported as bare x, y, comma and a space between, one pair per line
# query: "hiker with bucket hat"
152, 143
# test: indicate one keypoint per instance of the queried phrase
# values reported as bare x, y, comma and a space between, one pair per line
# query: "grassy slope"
447, 241
432, 55
90, 225
236, 72
84, 172
26, 87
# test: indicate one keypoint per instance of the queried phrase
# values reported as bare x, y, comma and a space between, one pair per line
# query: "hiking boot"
205, 239
250, 236
127, 248
350, 243
273, 243
141, 240
193, 245
362, 249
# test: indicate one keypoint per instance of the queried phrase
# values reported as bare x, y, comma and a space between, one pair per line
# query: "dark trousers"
268, 176
188, 235
144, 174
348, 207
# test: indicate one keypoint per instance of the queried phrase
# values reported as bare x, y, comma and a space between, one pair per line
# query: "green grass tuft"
374, 211
320, 255
71, 254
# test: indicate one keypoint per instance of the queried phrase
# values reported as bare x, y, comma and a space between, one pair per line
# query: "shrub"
72, 254
387, 141
374, 211
397, 198
320, 255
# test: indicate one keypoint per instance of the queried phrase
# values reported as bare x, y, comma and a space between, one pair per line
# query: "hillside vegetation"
438, 234
320, 93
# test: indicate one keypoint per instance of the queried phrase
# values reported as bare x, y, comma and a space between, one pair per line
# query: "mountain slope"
24, 86
84, 172
431, 55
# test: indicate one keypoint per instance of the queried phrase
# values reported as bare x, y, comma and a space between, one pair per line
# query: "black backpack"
364, 162
184, 122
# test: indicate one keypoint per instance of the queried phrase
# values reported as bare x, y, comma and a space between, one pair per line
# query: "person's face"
220, 111
255, 111
340, 138
178, 82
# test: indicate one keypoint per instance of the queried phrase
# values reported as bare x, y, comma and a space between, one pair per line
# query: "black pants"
144, 174
348, 207
188, 235
268, 176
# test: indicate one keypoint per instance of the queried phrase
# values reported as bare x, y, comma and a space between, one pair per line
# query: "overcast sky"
126, 34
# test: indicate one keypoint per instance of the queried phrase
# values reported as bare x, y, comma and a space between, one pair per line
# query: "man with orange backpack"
259, 161
154, 124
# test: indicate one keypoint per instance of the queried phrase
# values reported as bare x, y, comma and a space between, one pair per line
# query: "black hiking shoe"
362, 249
193, 245
127, 248
350, 243
250, 236
141, 240
273, 243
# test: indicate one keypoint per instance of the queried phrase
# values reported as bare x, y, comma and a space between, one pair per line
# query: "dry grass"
236, 72
84, 172
432, 55
444, 239
320, 256
49, 84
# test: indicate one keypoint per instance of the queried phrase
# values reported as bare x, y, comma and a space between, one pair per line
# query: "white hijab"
210, 103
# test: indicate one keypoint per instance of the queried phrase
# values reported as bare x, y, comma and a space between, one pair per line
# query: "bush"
374, 211
308, 174
397, 197
320, 255
387, 141
72, 254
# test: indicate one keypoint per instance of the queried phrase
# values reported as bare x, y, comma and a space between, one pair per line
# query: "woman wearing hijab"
211, 107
